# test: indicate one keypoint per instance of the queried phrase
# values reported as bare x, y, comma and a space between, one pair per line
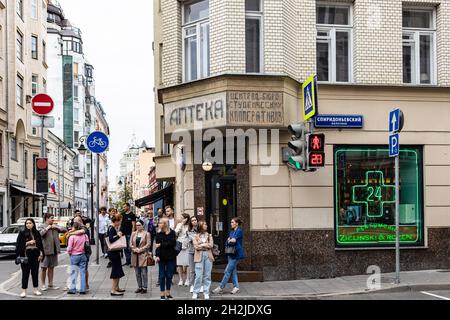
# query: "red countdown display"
316, 150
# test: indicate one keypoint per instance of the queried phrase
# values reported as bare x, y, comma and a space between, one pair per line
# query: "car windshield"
13, 229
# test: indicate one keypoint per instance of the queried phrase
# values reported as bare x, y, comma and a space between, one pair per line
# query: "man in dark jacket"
50, 241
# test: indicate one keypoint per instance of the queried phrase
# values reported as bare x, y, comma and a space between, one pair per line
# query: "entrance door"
221, 206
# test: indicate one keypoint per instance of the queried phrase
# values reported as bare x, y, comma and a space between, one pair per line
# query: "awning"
154, 197
26, 192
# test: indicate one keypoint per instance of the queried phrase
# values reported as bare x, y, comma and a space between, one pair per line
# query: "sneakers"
186, 283
180, 283
201, 289
37, 293
23, 294
235, 290
44, 288
194, 296
192, 289
218, 290
206, 296
53, 287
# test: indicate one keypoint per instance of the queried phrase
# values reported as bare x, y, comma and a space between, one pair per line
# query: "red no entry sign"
42, 104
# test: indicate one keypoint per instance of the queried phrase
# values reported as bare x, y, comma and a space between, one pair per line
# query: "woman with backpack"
29, 252
78, 260
140, 243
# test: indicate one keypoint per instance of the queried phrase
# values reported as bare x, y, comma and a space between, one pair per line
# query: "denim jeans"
191, 269
230, 271
128, 250
78, 264
142, 277
166, 271
203, 274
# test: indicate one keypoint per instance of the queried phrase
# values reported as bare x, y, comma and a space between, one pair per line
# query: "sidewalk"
100, 285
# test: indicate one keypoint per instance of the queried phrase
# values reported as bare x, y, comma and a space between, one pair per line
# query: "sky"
117, 38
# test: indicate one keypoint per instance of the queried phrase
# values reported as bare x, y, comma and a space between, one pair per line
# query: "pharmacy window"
196, 49
364, 186
334, 43
419, 46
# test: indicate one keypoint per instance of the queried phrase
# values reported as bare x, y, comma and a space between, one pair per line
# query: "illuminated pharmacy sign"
365, 197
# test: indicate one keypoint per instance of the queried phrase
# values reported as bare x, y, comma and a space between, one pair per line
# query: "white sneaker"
194, 296
206, 296
180, 283
23, 294
192, 289
37, 293
186, 283
54, 288
218, 290
201, 289
235, 290
44, 288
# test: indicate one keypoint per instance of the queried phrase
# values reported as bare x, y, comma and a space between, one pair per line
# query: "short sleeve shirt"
127, 223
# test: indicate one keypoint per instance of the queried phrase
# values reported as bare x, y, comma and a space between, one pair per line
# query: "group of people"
184, 246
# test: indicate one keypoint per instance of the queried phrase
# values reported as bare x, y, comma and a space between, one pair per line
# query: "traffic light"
316, 150
298, 145
41, 175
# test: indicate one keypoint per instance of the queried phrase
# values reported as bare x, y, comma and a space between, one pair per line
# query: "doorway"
221, 204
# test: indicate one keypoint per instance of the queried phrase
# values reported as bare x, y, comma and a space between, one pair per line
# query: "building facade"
232, 71
23, 73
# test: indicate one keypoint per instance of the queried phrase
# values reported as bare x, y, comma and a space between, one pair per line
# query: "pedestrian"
183, 257
114, 256
192, 232
83, 230
29, 245
235, 253
166, 257
140, 242
149, 226
161, 215
203, 258
104, 223
50, 241
128, 227
78, 260
170, 214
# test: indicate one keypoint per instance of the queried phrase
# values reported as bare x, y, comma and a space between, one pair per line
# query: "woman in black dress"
114, 257
29, 244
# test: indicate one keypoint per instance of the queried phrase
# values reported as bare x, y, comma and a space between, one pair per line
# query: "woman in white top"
181, 232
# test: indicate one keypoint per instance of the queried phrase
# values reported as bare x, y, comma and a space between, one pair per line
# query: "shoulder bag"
118, 245
87, 248
230, 250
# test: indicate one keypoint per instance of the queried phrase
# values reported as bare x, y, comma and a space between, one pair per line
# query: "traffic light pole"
397, 221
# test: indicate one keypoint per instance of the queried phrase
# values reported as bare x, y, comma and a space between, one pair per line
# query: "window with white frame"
19, 8
75, 92
34, 47
19, 45
334, 42
76, 118
34, 84
254, 35
34, 9
419, 40
195, 40
19, 90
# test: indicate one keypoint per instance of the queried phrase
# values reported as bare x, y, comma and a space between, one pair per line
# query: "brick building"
240, 64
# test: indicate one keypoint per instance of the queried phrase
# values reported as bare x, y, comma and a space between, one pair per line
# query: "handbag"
150, 260
21, 260
230, 250
118, 245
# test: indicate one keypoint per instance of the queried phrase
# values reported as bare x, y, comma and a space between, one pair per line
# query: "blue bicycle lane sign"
97, 142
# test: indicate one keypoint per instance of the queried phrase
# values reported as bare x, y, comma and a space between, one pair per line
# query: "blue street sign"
394, 145
338, 121
97, 142
394, 120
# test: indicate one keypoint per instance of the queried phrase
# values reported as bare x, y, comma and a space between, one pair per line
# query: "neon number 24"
374, 192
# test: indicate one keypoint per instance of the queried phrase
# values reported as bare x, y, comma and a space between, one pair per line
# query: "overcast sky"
117, 37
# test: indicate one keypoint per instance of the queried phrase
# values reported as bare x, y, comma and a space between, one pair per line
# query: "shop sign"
338, 121
255, 108
209, 111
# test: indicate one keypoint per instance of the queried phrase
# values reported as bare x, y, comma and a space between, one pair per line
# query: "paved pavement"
350, 287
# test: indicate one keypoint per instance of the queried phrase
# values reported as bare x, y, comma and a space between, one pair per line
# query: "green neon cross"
374, 195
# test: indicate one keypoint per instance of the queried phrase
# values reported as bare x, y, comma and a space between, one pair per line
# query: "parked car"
8, 239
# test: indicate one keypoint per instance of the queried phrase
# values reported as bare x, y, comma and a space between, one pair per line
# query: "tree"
125, 195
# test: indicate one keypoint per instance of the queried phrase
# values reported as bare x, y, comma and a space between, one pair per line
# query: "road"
7, 268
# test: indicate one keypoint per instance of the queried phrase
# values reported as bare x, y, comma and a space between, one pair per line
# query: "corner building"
240, 64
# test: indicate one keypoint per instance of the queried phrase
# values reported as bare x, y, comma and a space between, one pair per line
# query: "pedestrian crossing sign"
309, 94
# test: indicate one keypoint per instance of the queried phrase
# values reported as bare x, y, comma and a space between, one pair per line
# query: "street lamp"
82, 150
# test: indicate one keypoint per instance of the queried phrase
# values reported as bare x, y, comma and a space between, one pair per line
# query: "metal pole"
98, 208
92, 198
43, 154
397, 221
